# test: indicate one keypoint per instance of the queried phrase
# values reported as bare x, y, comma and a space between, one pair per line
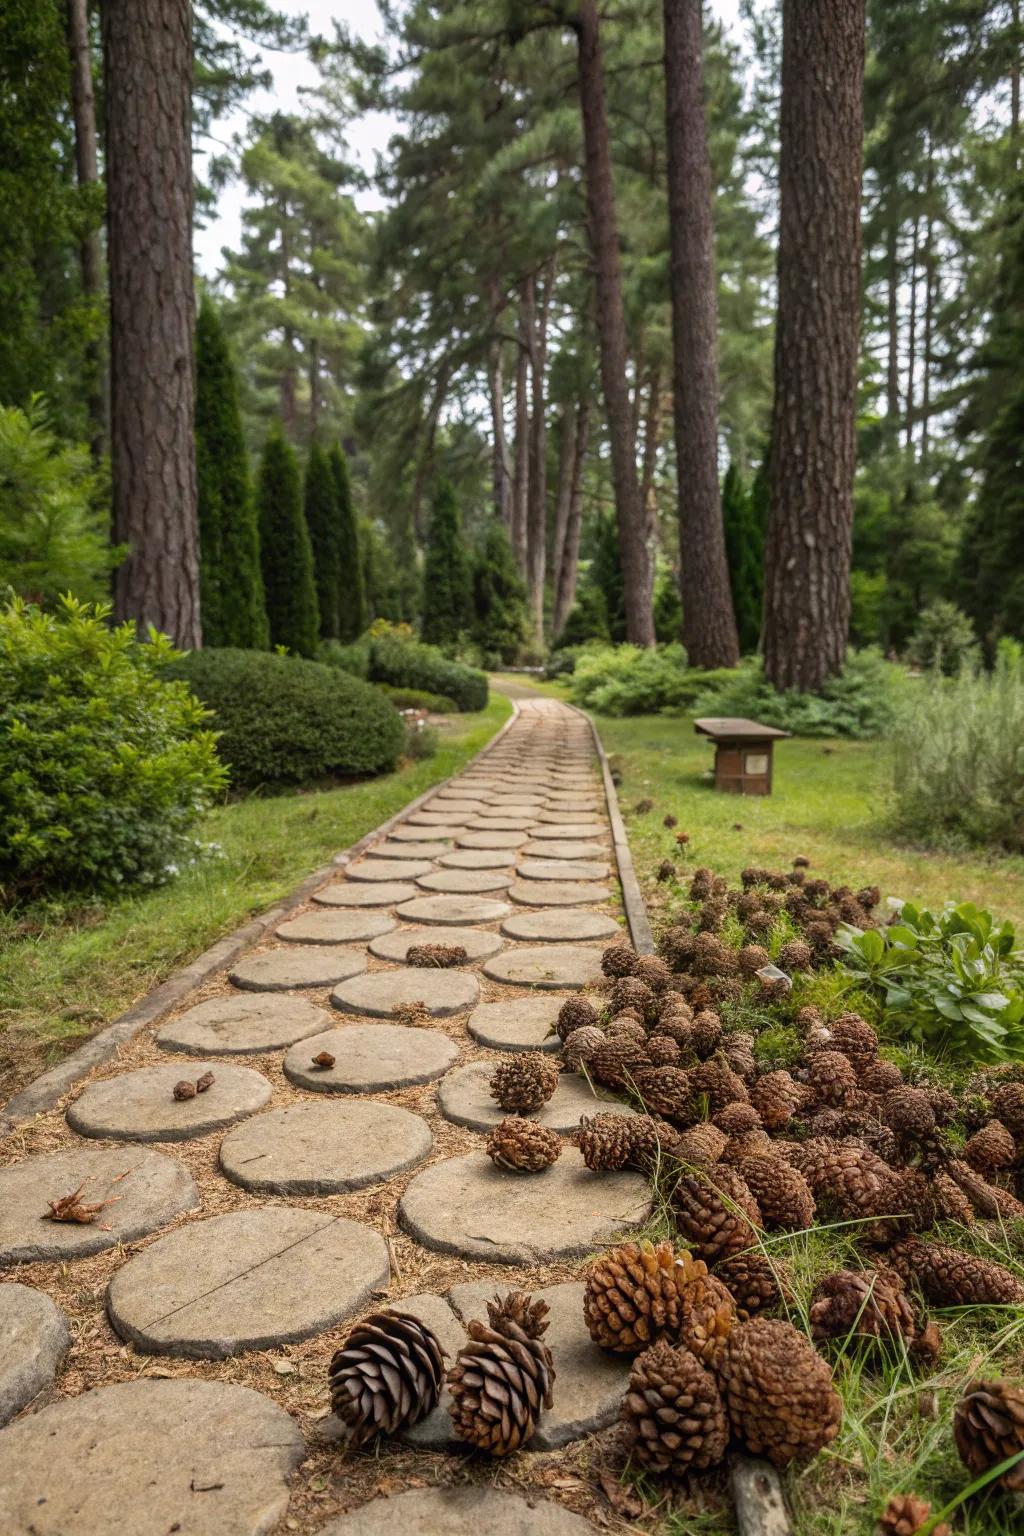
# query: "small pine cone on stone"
991, 1149
387, 1375
503, 1376
619, 959
575, 1013
776, 1098
664, 1091
637, 1293
715, 1211
948, 1277
1008, 1107
663, 1051
988, 1427
782, 1193
831, 1077
581, 1045
703, 1143
524, 1082
615, 1063
672, 1412
759, 1282
778, 1392
523, 1145
868, 1303
437, 956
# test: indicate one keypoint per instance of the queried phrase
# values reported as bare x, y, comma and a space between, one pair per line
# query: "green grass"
65, 972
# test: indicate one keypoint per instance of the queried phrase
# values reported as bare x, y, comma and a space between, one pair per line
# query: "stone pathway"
334, 1162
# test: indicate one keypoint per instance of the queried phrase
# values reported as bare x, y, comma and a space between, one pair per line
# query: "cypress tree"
322, 521
446, 576
352, 609
744, 547
285, 550
499, 596
606, 573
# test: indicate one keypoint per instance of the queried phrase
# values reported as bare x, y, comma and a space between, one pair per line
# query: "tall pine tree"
285, 550
446, 577
231, 583
352, 610
322, 522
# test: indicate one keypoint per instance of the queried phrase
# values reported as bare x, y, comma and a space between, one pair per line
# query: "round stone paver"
140, 1105
149, 1457
371, 1058
323, 1149
467, 1206
238, 1026
558, 893
490, 840
501, 823
478, 943
463, 882
252, 1279
560, 925
338, 894
459, 1512
278, 970
432, 819
557, 869
148, 1189
328, 927
464, 1097
406, 834
387, 869
448, 911
517, 1024
400, 850
478, 858
547, 966
377, 995
461, 807
571, 849
564, 830
34, 1339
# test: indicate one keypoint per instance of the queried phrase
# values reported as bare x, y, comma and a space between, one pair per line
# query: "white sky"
369, 135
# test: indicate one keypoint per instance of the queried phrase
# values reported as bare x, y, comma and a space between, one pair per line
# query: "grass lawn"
64, 973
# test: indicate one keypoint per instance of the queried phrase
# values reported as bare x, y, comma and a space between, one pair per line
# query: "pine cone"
987, 1199
707, 1032
524, 1082
1008, 1106
631, 992
709, 1317
778, 1392
795, 956
718, 1083
736, 1118
715, 1212
523, 1145
678, 947
740, 1057
638, 1293
990, 1149
753, 958
436, 956
870, 1303
783, 1195
654, 973
908, 1111
905, 1515
776, 1097
677, 1027
626, 1026
948, 1277
702, 1143
664, 1091
605, 1142
617, 1061
830, 1076
503, 1376
988, 1427
673, 1412
880, 1077
663, 1051
619, 959
854, 1038
581, 1046
575, 1013
387, 1375
757, 1281
747, 1144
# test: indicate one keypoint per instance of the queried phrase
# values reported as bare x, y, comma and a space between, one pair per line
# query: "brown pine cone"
664, 1091
575, 1013
709, 1317
615, 1062
783, 1195
619, 959
503, 1376
702, 1143
631, 992
523, 1145
715, 1212
907, 1111
854, 1038
522, 1083
663, 1051
830, 1076
880, 1077
796, 955
1008, 1106
718, 1083
758, 1281
707, 1032
654, 973
736, 1118
776, 1097
988, 1427
947, 1277
581, 1046
906, 1515
436, 956
988, 1200
990, 1149
387, 1375
673, 1412
637, 1293
625, 1026
869, 1303
605, 1142
747, 1144
753, 958
778, 1392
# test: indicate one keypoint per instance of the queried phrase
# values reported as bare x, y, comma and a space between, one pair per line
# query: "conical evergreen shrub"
285, 551
499, 596
743, 514
447, 609
352, 609
321, 509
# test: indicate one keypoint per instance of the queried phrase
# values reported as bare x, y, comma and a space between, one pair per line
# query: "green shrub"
562, 663
286, 721
959, 756
447, 579
588, 619
419, 698
105, 764
286, 554
354, 658
627, 680
862, 703
398, 659
421, 741
944, 640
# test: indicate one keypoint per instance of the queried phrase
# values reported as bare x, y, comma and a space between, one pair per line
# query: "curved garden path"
174, 1350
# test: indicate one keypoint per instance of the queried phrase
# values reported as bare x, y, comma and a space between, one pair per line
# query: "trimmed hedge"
285, 721
408, 664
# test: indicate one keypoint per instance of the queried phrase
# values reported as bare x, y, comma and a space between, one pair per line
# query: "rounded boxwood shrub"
286, 721
403, 662
105, 763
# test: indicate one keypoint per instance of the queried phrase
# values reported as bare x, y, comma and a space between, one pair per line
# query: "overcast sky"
292, 71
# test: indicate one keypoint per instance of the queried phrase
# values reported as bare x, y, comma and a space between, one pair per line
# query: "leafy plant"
861, 703
952, 981
398, 659
944, 639
627, 680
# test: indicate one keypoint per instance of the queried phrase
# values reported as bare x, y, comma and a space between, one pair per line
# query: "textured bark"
90, 251
501, 469
563, 489
537, 496
634, 556
148, 71
892, 290
813, 445
709, 625
910, 403
521, 447
568, 567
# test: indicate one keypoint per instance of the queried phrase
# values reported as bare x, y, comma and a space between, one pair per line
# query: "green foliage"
231, 584
352, 611
953, 982
627, 680
354, 658
398, 659
587, 620
286, 721
105, 764
390, 591
499, 597
861, 703
668, 608
446, 575
53, 527
744, 515
959, 756
321, 510
944, 640
421, 741
605, 573
419, 698
286, 554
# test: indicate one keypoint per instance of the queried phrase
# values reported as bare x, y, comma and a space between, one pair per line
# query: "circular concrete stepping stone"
278, 970
501, 823
469, 1207
402, 850
330, 927
465, 882
338, 894
571, 850
560, 926
461, 807
478, 943
552, 824
34, 1339
247, 1280
569, 800
459, 1512
517, 1024
490, 840
558, 893
478, 858
547, 966
140, 1105
464, 1097
378, 995
437, 819
150, 1457
453, 910
238, 1026
406, 834
151, 1189
323, 1149
560, 869
371, 1058
387, 869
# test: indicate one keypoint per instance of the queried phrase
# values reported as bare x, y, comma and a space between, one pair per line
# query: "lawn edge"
44, 1091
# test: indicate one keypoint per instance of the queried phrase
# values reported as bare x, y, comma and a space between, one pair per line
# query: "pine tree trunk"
910, 403
90, 251
521, 449
148, 73
567, 569
563, 490
709, 624
892, 287
634, 557
536, 515
813, 446
501, 473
